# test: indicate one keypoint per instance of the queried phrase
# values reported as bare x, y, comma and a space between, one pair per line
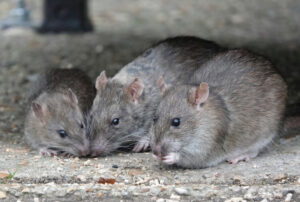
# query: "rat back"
175, 59
254, 95
60, 80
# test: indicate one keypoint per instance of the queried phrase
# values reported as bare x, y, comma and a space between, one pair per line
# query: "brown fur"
241, 116
59, 100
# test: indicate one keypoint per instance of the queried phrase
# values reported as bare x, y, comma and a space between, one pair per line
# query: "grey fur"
107, 138
175, 58
65, 95
241, 116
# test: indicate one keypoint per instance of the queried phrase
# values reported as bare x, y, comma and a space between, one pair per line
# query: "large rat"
122, 110
230, 109
58, 104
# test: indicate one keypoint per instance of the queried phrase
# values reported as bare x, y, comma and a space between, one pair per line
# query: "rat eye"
155, 118
175, 122
115, 122
81, 125
62, 133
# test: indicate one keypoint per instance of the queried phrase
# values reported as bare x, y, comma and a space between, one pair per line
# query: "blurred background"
122, 29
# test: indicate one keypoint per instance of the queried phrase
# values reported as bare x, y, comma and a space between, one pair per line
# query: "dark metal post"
65, 16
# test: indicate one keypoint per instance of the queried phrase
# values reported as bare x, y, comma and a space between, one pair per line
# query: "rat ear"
39, 111
101, 81
162, 85
199, 95
72, 98
135, 90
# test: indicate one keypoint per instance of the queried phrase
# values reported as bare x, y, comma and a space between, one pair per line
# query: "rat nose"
95, 153
84, 152
157, 151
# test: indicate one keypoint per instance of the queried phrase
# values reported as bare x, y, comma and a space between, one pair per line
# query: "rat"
124, 105
230, 109
56, 117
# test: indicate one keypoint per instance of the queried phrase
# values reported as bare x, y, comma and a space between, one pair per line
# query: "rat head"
57, 124
116, 115
182, 124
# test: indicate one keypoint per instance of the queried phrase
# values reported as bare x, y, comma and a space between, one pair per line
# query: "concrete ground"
122, 30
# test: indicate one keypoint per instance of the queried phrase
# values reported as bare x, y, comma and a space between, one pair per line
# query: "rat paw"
244, 157
48, 152
142, 145
171, 158
67, 155
238, 159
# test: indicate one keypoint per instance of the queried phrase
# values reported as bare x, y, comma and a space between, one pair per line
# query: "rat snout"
100, 147
84, 152
96, 152
160, 151
156, 150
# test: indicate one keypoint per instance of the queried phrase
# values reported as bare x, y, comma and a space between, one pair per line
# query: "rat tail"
291, 124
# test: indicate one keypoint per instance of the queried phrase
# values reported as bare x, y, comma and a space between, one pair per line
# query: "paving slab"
273, 176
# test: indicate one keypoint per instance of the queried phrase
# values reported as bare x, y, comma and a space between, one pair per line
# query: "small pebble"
288, 197
2, 195
82, 178
115, 166
181, 191
87, 163
25, 190
175, 197
235, 199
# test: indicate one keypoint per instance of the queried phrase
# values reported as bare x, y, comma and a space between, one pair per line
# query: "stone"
181, 191
87, 163
82, 178
4, 174
236, 199
288, 197
175, 197
250, 194
25, 190
2, 195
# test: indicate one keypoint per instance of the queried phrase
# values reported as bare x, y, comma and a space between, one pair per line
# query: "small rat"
122, 110
55, 121
230, 109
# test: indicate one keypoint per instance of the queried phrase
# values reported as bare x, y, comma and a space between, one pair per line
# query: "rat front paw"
48, 152
170, 158
238, 159
244, 157
142, 144
67, 155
